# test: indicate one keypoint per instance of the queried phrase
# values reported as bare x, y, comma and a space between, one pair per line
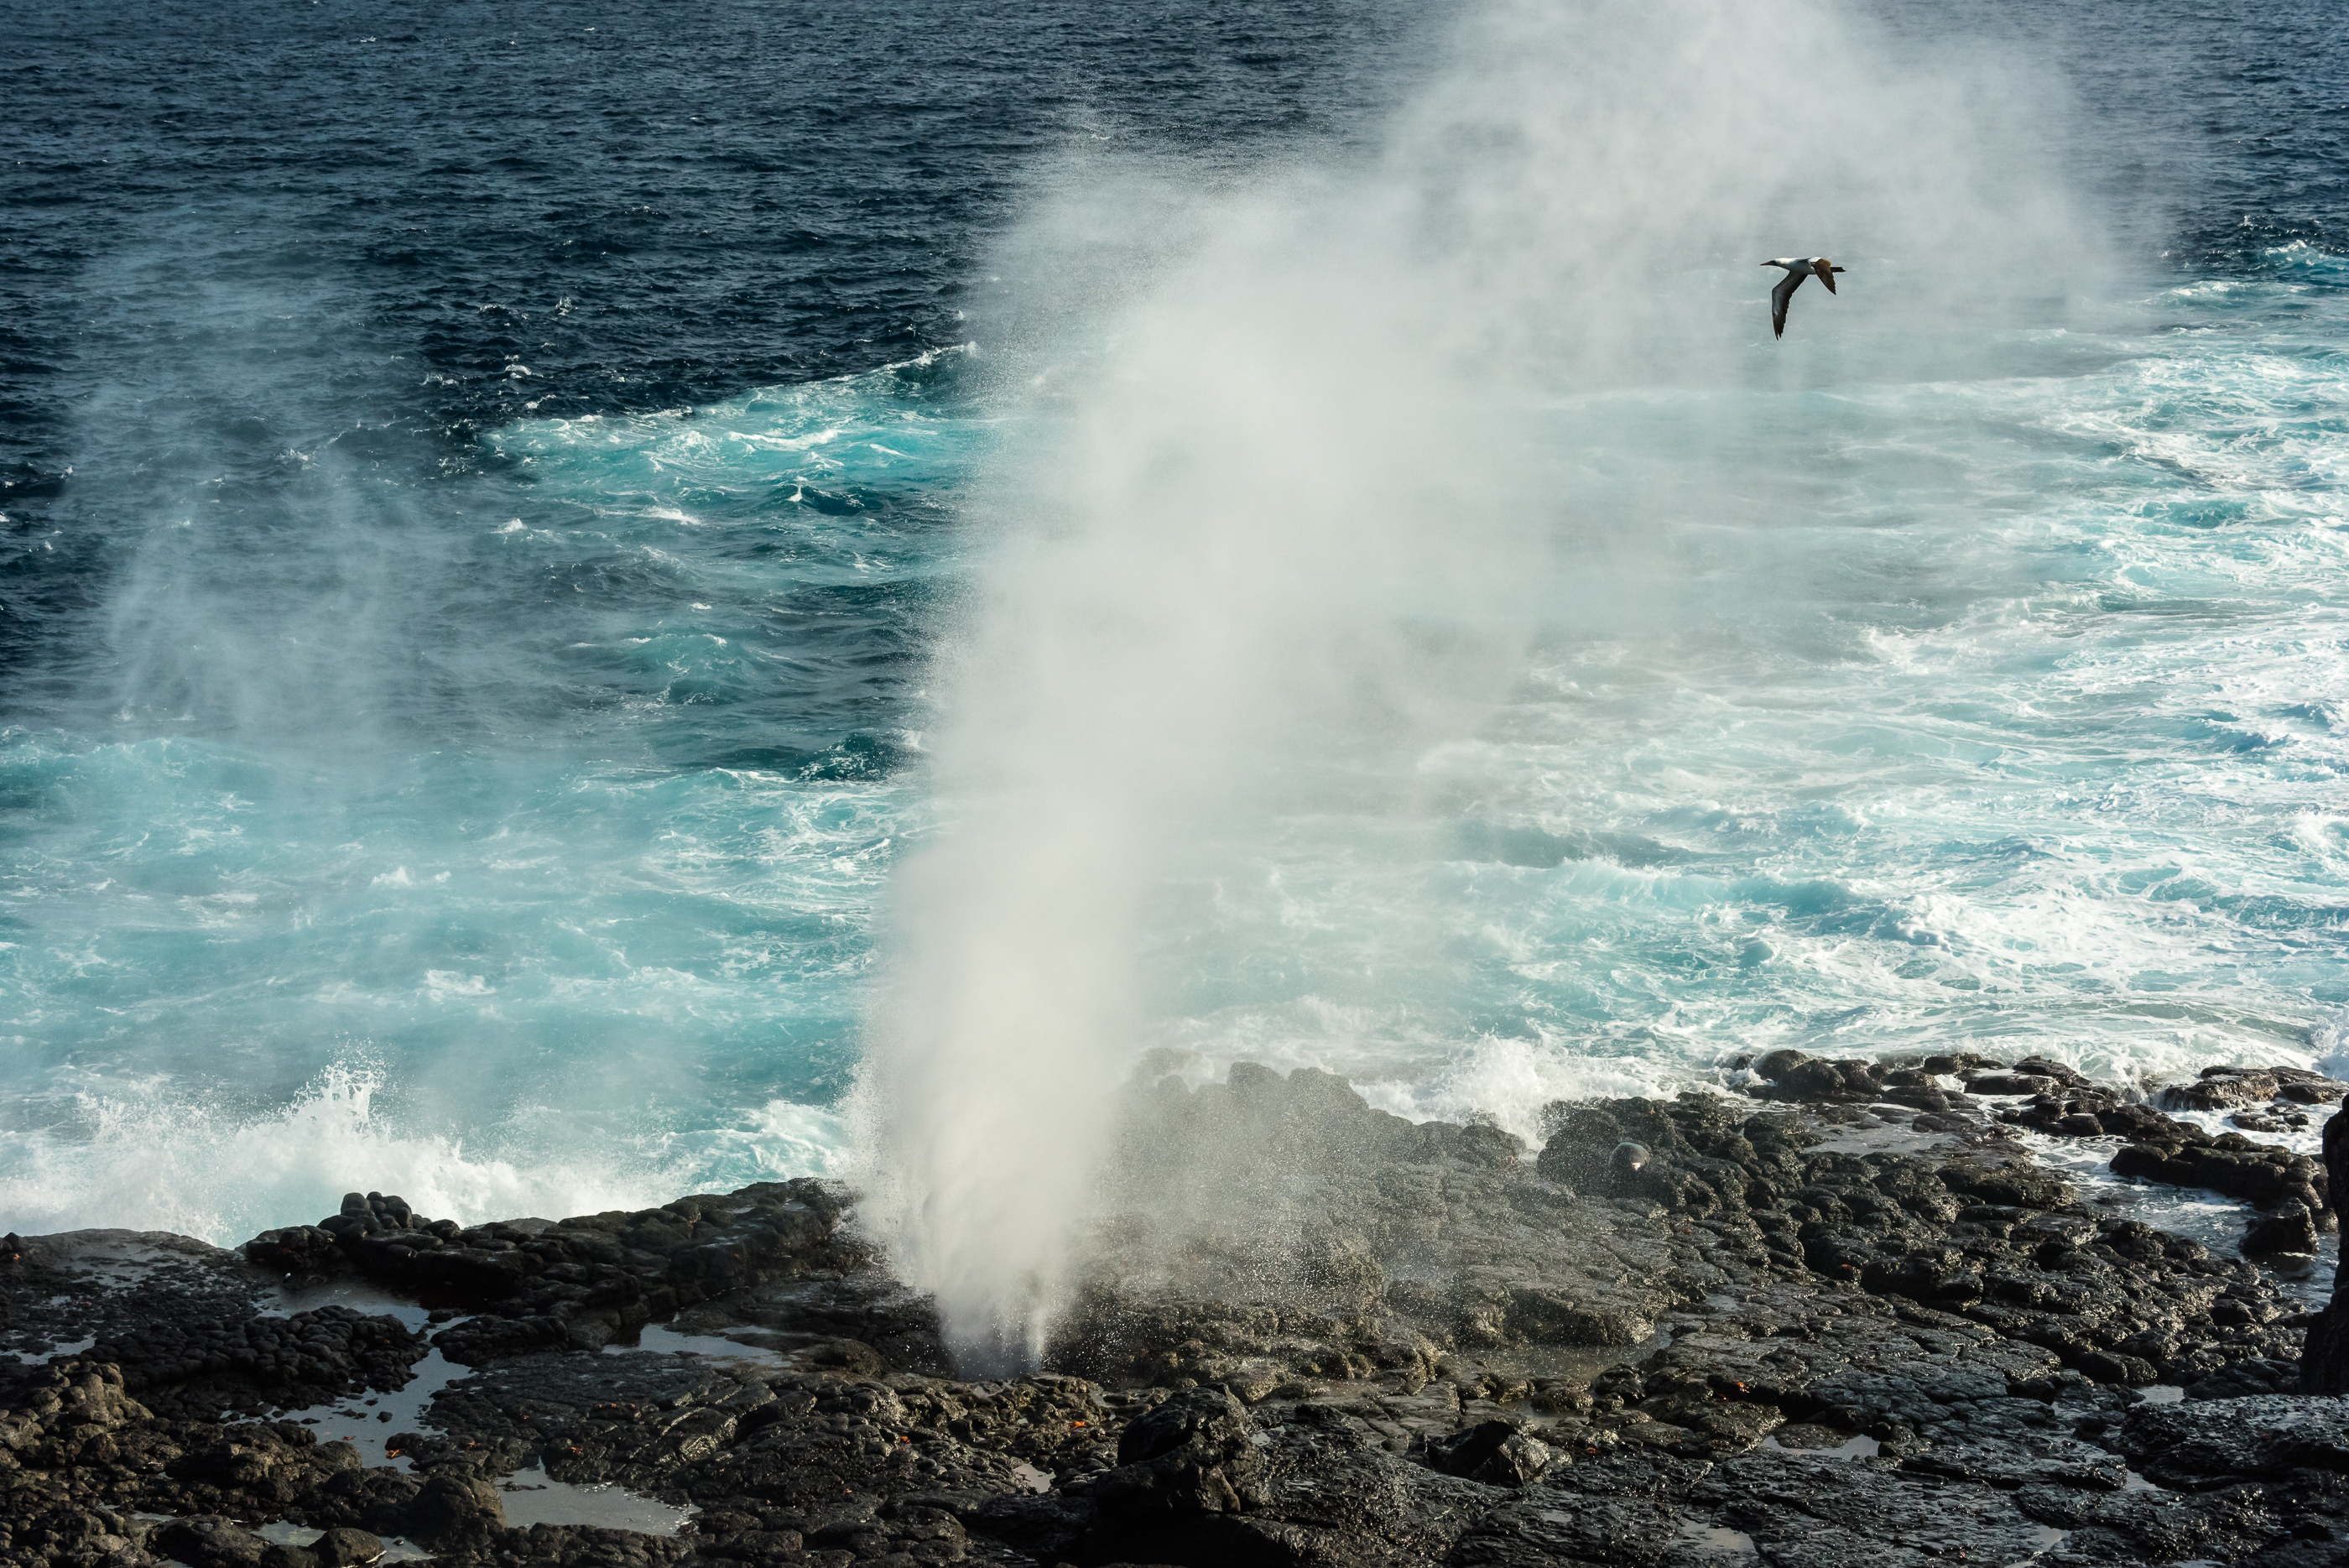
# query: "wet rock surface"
2325, 1367
1840, 1319
2158, 1146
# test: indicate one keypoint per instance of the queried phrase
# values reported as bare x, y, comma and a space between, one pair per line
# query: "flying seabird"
1798, 269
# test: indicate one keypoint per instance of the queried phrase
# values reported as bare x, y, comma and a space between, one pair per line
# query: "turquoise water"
2005, 715
1998, 711
503, 534
530, 967
2000, 708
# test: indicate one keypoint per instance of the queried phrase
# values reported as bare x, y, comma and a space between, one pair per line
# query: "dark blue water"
347, 233
480, 488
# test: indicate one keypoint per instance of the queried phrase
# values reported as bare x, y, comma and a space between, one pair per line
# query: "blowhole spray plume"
1274, 519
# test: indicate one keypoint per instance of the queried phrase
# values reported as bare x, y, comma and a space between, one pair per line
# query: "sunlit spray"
1272, 518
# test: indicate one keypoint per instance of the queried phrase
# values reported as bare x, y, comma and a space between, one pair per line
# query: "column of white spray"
1292, 457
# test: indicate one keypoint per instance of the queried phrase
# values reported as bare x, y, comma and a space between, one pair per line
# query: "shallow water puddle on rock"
1860, 1447
659, 1341
122, 1258
2213, 1219
396, 1548
368, 1421
1889, 1131
2045, 1538
54, 1353
359, 1295
534, 1497
1717, 1539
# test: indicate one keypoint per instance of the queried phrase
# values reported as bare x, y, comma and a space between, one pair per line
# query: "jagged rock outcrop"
1307, 1334
2325, 1366
579, 1281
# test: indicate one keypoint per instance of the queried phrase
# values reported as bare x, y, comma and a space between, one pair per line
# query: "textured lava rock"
343, 1547
1495, 1452
1190, 1455
453, 1510
2202, 1444
1309, 1332
2325, 1368
210, 1541
2229, 1088
2291, 1229
532, 1284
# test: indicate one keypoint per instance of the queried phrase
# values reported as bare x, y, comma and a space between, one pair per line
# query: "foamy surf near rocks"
2055, 1099
1304, 1332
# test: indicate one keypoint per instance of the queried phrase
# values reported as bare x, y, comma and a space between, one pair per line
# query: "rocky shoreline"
1840, 1316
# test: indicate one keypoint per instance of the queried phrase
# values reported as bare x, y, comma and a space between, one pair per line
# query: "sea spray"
1951, 675
156, 1158
1282, 518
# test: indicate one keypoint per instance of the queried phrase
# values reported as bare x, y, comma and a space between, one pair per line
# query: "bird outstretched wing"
1826, 271
1779, 296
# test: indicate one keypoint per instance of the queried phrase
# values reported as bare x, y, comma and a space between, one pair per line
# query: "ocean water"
492, 503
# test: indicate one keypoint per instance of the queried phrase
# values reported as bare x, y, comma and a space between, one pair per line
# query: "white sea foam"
1509, 1082
2329, 1042
152, 1159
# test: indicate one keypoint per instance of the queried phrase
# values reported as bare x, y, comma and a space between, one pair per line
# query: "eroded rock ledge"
1841, 1318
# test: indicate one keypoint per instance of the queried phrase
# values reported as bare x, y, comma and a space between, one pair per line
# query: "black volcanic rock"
580, 1282
2009, 1084
2325, 1366
343, 1547
2267, 1177
2160, 1147
2241, 1379
210, 1541
2230, 1088
1795, 1076
2202, 1445
1192, 1454
2290, 1229
1493, 1452
1306, 1332
453, 1511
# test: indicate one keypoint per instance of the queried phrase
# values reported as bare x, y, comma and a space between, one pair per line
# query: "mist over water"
1295, 501
633, 603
